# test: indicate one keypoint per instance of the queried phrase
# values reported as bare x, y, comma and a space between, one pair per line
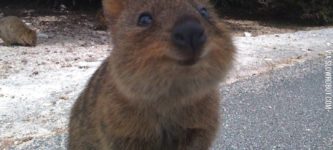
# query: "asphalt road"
281, 109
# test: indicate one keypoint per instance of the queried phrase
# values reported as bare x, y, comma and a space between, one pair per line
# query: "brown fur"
14, 31
141, 97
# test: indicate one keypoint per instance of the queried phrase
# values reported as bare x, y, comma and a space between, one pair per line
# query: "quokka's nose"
189, 34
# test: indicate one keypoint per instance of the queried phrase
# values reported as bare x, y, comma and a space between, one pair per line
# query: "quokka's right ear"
113, 9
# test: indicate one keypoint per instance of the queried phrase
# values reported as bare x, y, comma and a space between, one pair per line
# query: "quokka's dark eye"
145, 19
204, 12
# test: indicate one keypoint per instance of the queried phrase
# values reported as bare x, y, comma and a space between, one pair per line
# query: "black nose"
189, 34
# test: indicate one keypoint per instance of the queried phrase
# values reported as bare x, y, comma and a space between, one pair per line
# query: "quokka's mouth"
189, 58
189, 62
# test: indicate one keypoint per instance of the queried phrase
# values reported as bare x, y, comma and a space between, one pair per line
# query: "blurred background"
314, 12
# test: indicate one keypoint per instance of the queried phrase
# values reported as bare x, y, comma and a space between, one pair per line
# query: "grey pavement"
282, 109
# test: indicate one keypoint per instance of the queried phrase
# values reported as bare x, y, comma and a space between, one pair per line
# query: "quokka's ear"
113, 9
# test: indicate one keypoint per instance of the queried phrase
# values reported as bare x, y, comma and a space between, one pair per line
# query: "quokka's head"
29, 38
167, 42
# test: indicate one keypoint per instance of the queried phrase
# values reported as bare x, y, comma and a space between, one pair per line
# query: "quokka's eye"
204, 12
145, 19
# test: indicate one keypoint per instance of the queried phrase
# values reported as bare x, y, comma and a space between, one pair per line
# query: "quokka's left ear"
113, 9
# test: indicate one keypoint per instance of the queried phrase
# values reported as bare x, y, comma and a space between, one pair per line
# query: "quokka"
14, 31
158, 89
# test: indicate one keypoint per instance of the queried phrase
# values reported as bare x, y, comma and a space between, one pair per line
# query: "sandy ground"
38, 85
